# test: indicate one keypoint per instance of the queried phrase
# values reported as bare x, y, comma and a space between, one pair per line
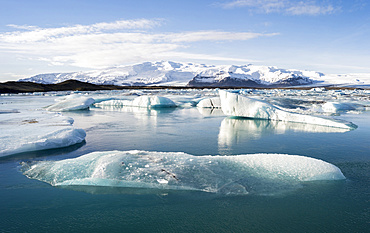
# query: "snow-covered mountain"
167, 73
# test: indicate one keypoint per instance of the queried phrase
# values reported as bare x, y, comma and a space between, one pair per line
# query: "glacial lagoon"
199, 170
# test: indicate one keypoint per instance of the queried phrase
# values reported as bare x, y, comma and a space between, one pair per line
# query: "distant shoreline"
13, 87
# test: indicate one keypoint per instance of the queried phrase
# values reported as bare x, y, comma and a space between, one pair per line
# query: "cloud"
108, 44
290, 7
309, 8
35, 33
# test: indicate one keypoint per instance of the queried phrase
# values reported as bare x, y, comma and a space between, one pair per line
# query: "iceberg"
71, 103
36, 130
233, 104
231, 175
210, 103
141, 101
334, 107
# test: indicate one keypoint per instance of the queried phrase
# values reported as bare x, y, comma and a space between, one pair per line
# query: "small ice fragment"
162, 181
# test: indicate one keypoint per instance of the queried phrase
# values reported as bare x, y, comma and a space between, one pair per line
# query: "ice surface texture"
234, 175
36, 130
233, 104
141, 101
71, 103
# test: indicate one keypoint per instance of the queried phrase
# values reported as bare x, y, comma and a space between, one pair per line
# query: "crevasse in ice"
233, 104
36, 130
235, 175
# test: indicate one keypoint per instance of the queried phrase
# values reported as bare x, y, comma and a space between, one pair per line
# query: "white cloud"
290, 7
108, 44
42, 34
309, 8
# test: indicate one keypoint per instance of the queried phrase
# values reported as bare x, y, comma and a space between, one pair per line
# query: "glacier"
234, 104
36, 130
71, 103
141, 101
260, 174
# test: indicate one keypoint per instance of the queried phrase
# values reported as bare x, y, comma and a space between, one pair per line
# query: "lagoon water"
29, 205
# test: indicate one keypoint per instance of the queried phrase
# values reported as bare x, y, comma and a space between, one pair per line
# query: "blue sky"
39, 36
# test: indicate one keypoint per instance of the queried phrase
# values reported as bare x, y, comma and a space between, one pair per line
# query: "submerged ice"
233, 104
260, 174
36, 130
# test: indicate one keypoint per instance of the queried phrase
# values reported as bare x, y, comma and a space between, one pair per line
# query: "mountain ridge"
168, 73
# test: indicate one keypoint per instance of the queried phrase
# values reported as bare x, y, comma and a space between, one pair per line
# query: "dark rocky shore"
74, 85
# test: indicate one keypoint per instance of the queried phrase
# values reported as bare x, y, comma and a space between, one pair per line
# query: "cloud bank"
108, 44
290, 7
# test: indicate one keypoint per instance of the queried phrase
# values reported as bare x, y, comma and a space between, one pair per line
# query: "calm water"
328, 206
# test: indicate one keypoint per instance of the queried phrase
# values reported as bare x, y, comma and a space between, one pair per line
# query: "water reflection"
236, 130
211, 111
143, 115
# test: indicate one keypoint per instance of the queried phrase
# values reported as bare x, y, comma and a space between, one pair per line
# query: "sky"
43, 36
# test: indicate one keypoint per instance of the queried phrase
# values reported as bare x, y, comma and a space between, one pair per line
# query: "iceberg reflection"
144, 115
233, 130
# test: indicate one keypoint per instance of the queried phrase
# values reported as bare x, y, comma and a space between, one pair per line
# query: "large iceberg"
36, 130
141, 101
71, 103
232, 175
233, 104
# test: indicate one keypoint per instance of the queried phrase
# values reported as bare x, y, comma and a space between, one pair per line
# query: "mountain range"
167, 73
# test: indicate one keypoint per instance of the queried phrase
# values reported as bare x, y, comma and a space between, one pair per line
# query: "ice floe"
36, 130
214, 102
233, 104
141, 101
334, 107
260, 174
71, 103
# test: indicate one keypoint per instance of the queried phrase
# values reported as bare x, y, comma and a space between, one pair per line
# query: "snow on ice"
71, 103
36, 130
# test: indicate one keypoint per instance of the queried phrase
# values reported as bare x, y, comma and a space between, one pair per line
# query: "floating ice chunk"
36, 130
141, 101
341, 107
242, 106
210, 103
236, 175
71, 103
